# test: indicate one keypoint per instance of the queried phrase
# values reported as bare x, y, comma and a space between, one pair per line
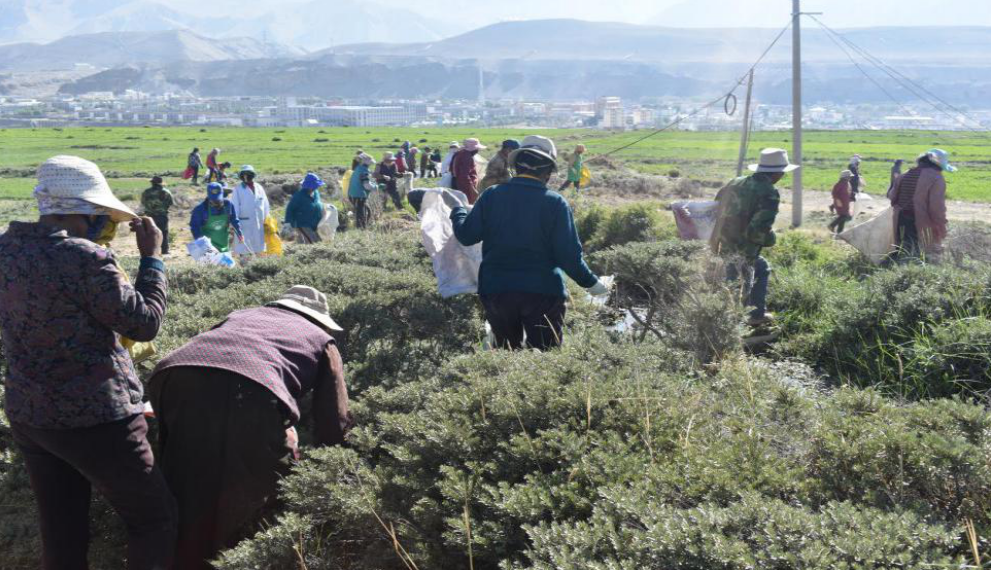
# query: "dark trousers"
214, 174
196, 175
222, 441
839, 223
392, 192
360, 211
162, 221
756, 275
511, 315
908, 237
116, 459
564, 187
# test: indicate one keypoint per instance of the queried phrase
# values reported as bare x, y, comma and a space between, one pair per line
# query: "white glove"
450, 200
598, 290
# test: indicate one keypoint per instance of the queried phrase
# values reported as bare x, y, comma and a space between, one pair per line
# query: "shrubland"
666, 448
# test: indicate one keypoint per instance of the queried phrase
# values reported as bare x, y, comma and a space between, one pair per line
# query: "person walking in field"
748, 207
497, 170
842, 196
575, 169
214, 218
212, 166
72, 395
445, 165
435, 163
411, 159
305, 210
359, 189
194, 163
855, 179
252, 207
896, 173
425, 162
228, 403
387, 175
156, 202
529, 242
919, 200
465, 171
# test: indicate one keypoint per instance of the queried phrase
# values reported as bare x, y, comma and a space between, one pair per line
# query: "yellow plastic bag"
139, 351
346, 182
273, 243
586, 177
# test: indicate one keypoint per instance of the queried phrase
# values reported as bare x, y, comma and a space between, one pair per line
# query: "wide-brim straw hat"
71, 178
774, 160
473, 144
310, 303
846, 174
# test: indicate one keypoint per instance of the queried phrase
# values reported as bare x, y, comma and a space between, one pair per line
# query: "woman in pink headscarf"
464, 170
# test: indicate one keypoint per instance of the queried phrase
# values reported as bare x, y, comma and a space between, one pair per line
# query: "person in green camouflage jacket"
157, 201
748, 207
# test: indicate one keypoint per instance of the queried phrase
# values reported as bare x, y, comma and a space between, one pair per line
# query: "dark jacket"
64, 304
304, 210
529, 240
748, 207
382, 171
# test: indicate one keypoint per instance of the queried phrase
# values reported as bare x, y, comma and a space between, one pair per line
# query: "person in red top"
464, 170
842, 196
211, 164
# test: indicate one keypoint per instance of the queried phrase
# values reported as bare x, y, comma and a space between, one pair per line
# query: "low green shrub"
601, 228
617, 455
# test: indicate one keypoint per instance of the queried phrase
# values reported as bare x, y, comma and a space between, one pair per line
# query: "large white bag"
327, 228
203, 251
874, 238
696, 220
455, 265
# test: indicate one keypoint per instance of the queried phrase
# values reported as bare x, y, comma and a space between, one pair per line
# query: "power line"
870, 78
715, 101
907, 83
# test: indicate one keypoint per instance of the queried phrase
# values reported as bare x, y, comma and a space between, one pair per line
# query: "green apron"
217, 229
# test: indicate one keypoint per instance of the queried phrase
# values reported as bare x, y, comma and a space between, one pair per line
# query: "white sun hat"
72, 185
774, 160
310, 303
535, 144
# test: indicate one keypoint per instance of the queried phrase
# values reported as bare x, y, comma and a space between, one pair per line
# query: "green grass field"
133, 154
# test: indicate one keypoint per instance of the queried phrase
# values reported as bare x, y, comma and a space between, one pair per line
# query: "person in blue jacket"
359, 189
214, 217
305, 210
529, 242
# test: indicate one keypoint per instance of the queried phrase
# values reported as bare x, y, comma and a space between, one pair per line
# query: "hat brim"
537, 151
786, 168
120, 212
323, 320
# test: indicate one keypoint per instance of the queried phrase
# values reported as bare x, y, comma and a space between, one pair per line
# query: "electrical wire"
722, 98
904, 81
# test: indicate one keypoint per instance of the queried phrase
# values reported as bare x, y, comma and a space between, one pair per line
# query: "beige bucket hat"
774, 160
73, 185
310, 303
536, 144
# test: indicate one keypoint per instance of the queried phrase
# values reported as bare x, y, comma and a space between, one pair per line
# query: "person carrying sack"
748, 207
73, 397
156, 202
529, 242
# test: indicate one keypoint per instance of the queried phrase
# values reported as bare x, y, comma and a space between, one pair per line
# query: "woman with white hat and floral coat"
252, 207
73, 397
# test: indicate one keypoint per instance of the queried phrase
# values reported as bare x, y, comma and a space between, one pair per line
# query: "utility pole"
745, 135
796, 112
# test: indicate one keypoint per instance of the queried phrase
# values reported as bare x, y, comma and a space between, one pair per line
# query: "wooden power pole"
745, 135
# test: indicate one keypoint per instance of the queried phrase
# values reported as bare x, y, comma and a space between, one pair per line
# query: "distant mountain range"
307, 24
573, 60
112, 49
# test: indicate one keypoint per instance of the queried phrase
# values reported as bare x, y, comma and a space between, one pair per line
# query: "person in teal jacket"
305, 210
358, 189
529, 242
